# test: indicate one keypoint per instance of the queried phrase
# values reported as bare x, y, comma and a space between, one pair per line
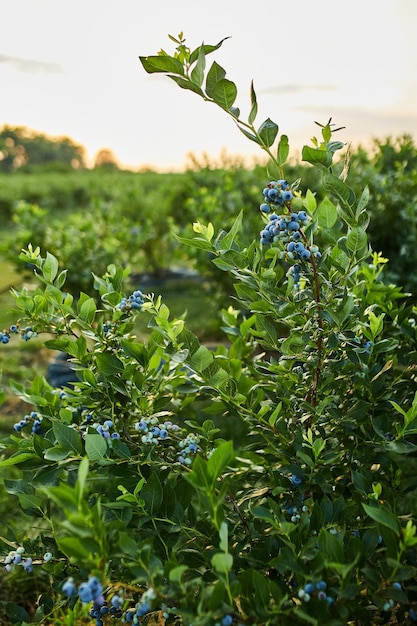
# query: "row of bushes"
87, 217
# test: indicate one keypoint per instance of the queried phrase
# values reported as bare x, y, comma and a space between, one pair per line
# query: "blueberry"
265, 208
143, 609
85, 593
305, 254
293, 225
273, 194
69, 589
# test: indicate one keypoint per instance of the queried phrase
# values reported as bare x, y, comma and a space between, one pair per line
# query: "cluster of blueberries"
295, 513
25, 333
286, 228
153, 431
17, 558
317, 589
133, 302
278, 193
104, 429
92, 591
33, 419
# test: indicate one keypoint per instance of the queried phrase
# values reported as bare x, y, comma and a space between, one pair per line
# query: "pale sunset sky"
70, 67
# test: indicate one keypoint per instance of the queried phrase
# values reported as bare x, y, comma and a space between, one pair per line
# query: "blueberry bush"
270, 480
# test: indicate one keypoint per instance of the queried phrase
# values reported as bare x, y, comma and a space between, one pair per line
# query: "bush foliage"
269, 480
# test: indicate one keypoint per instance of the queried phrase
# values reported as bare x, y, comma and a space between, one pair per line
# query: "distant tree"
24, 148
105, 158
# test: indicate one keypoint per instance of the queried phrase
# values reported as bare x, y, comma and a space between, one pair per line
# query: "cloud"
29, 66
292, 88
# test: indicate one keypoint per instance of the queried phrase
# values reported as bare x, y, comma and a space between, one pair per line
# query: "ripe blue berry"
85, 593
69, 589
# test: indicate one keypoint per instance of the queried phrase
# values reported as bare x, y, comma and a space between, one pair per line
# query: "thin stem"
311, 395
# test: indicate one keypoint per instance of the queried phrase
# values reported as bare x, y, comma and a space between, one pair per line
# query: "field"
261, 461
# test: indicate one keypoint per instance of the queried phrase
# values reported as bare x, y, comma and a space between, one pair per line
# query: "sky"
71, 67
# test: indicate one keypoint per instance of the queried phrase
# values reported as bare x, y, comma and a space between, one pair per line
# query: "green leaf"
208, 48
362, 203
67, 437
82, 477
310, 201
330, 546
317, 157
294, 344
75, 548
135, 350
175, 574
224, 93
326, 213
197, 74
196, 242
50, 267
249, 135
30, 502
214, 75
220, 459
230, 260
109, 364
266, 329
57, 453
201, 359
127, 544
283, 150
87, 311
185, 83
222, 562
223, 534
342, 191
254, 105
95, 446
382, 516
152, 494
226, 242
18, 458
356, 239
161, 63
268, 131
